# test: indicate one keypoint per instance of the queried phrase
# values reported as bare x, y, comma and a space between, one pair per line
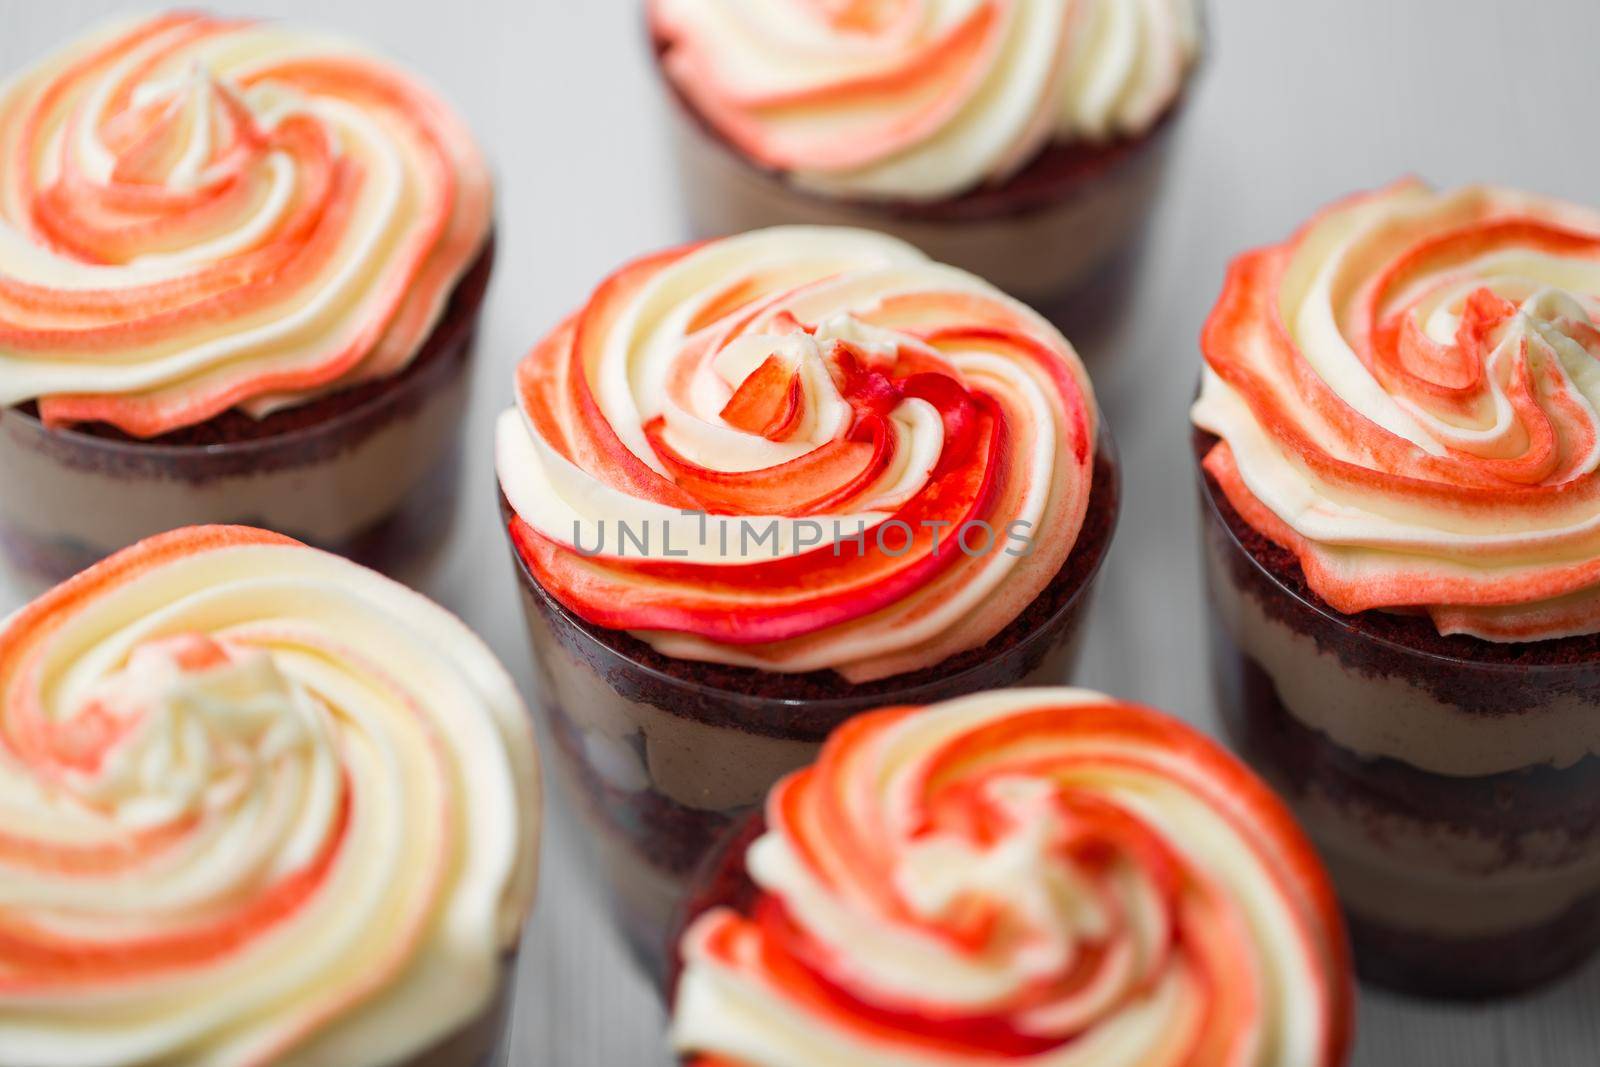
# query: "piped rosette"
921, 101
1405, 393
799, 449
258, 805
1031, 876
199, 214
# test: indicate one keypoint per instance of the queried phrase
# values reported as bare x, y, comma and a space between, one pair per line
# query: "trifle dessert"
758, 485
241, 276
1399, 446
1022, 141
259, 807
1035, 876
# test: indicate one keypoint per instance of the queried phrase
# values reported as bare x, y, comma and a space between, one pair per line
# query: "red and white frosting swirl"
743, 402
1407, 393
199, 214
911, 99
1031, 876
258, 805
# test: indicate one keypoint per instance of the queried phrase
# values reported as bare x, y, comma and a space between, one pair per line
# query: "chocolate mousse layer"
1451, 783
1042, 235
370, 472
662, 755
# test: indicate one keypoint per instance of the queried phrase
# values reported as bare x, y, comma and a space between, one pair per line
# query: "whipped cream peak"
1407, 399
742, 408
909, 99
200, 213
278, 808
188, 725
1036, 876
877, 344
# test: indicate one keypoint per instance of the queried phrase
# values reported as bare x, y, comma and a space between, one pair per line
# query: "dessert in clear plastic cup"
244, 291
716, 406
372, 475
659, 757
1042, 842
1467, 861
1060, 229
1395, 439
292, 806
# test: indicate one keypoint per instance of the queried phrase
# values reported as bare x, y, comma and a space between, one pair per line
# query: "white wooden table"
1300, 102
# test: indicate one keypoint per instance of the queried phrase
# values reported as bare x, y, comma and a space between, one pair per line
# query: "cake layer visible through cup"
1041, 237
372, 474
660, 756
1452, 785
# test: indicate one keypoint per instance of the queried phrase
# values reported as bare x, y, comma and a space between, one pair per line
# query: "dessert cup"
299, 805
658, 757
852, 912
716, 406
765, 131
1448, 781
370, 473
1404, 570
246, 292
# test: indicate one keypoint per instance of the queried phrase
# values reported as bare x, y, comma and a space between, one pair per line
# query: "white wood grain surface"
1300, 102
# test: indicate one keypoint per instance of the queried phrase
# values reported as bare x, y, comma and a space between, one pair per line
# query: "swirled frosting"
1406, 393
841, 455
1031, 876
199, 214
258, 805
916, 100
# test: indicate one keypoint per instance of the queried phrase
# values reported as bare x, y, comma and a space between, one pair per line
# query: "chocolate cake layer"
1499, 813
1479, 968
1501, 807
